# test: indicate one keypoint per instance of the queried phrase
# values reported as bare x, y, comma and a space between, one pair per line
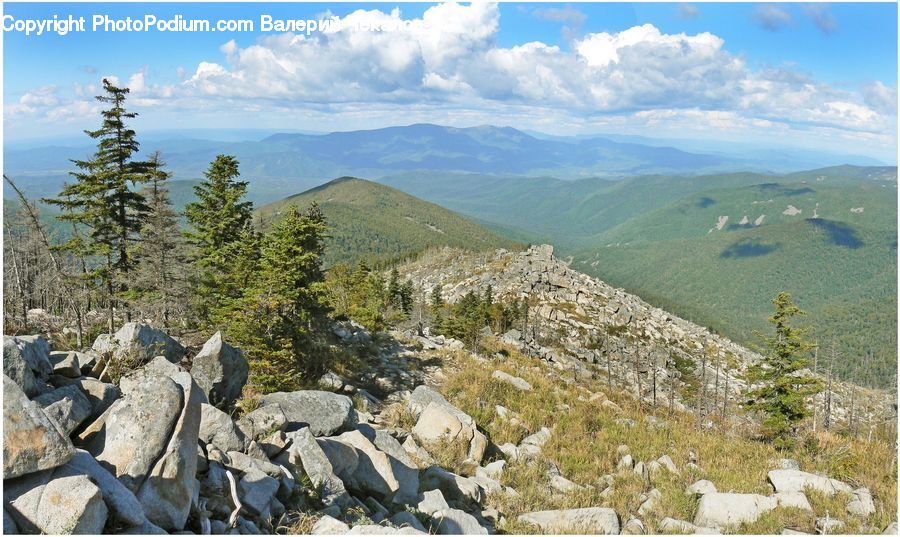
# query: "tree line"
124, 252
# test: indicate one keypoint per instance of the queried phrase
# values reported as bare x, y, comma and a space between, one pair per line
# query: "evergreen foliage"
102, 200
784, 389
161, 287
218, 226
284, 303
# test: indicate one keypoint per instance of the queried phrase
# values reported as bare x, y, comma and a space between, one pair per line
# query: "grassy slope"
375, 222
585, 437
842, 268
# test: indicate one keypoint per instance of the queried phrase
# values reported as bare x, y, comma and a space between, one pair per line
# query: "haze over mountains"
295, 161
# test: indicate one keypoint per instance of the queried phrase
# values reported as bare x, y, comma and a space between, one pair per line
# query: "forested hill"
373, 222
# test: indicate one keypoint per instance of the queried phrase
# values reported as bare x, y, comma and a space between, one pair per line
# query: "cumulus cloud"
772, 17
447, 67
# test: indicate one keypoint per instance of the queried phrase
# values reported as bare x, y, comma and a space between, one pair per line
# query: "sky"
818, 76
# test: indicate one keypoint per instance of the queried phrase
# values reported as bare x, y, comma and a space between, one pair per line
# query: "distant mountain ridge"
284, 162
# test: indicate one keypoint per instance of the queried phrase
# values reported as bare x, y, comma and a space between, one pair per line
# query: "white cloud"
447, 67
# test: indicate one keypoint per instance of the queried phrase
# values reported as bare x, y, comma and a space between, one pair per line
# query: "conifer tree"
783, 391
285, 302
160, 280
218, 220
103, 200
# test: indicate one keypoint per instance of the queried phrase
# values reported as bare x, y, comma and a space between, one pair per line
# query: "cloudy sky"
812, 75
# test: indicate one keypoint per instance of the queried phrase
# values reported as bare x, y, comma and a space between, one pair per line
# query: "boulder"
587, 520
54, 502
305, 454
462, 492
221, 371
432, 501
634, 526
329, 526
861, 503
170, 488
798, 481
101, 395
795, 500
26, 361
374, 474
720, 509
421, 397
67, 407
829, 526
701, 487
457, 522
66, 363
516, 382
216, 428
262, 422
325, 413
148, 439
243, 463
403, 467
258, 492
140, 342
406, 519
440, 426
31, 441
683, 527
666, 462
123, 506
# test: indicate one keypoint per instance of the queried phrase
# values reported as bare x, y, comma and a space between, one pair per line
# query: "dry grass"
585, 438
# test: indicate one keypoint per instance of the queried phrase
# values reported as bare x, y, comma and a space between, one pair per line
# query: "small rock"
861, 503
516, 382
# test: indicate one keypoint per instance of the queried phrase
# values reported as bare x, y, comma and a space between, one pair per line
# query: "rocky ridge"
579, 323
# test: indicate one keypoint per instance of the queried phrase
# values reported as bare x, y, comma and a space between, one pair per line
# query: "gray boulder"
26, 361
373, 474
123, 506
262, 422
216, 428
66, 363
516, 382
861, 503
305, 454
148, 439
797, 481
140, 342
31, 441
720, 509
442, 424
432, 502
325, 413
170, 488
67, 407
701, 487
683, 527
460, 491
329, 526
221, 371
457, 522
406, 519
101, 395
587, 520
54, 502
258, 492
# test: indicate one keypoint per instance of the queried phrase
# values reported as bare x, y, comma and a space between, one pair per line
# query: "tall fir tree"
218, 222
160, 280
103, 199
286, 301
781, 395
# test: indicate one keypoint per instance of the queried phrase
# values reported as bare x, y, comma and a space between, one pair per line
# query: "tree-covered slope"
377, 223
719, 256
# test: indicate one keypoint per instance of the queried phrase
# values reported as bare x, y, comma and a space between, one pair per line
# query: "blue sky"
812, 75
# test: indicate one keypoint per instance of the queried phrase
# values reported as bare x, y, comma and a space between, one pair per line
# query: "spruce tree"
286, 300
783, 390
160, 280
218, 220
103, 199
